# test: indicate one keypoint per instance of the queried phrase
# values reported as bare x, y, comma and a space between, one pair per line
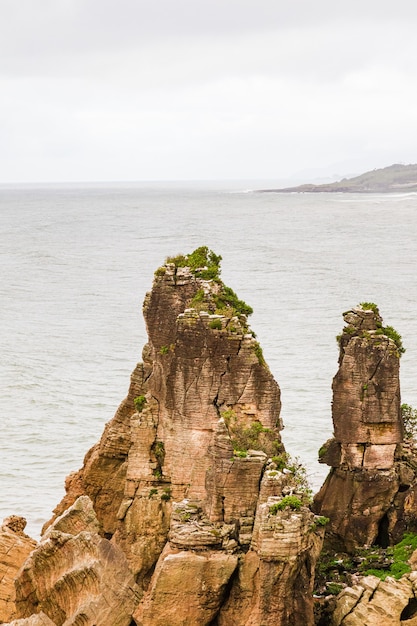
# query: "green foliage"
390, 332
333, 572
370, 306
139, 403
291, 502
255, 437
158, 449
161, 271
216, 324
166, 496
228, 416
322, 451
401, 552
163, 350
227, 299
280, 461
299, 472
409, 416
240, 454
334, 588
259, 354
198, 300
204, 263
152, 492
322, 521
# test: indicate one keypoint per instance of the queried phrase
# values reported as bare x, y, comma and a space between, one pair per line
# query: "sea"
78, 259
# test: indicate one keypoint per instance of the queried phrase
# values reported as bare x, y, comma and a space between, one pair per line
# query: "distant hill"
385, 180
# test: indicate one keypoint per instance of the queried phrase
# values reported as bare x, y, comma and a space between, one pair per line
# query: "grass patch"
288, 502
166, 496
139, 403
215, 324
369, 306
391, 333
203, 263
255, 437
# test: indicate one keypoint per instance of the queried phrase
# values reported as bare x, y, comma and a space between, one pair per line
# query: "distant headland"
390, 179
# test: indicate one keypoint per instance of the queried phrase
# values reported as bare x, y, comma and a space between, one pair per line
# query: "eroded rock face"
169, 521
40, 619
274, 582
15, 547
188, 587
203, 385
374, 602
366, 492
75, 576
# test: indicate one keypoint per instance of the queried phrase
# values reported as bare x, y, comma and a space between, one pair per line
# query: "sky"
126, 90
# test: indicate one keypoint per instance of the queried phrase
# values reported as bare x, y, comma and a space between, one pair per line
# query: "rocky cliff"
370, 492
188, 510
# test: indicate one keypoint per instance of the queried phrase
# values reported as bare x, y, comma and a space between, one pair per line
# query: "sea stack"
370, 491
188, 510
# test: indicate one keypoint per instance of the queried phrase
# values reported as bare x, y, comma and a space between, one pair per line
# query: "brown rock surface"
187, 588
169, 518
78, 578
375, 603
365, 495
199, 364
275, 579
15, 547
40, 619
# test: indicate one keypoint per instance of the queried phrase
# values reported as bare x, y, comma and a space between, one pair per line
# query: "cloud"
128, 90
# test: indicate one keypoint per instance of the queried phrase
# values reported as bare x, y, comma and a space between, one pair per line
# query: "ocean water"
76, 262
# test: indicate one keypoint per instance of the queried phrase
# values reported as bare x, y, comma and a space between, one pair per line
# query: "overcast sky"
108, 90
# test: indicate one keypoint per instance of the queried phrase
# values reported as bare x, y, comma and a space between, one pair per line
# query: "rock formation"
184, 512
375, 602
371, 489
75, 575
15, 547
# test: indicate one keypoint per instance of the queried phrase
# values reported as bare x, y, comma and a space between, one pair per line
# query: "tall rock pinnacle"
364, 491
182, 513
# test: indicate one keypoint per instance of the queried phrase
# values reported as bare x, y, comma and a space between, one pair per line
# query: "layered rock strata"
172, 518
374, 602
76, 576
370, 490
15, 547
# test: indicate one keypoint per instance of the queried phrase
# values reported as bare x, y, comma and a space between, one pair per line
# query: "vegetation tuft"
391, 333
400, 553
139, 403
255, 437
370, 306
409, 416
335, 571
203, 263
288, 502
216, 324
388, 331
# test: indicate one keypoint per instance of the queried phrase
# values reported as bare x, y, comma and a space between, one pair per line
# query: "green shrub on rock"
409, 416
288, 502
